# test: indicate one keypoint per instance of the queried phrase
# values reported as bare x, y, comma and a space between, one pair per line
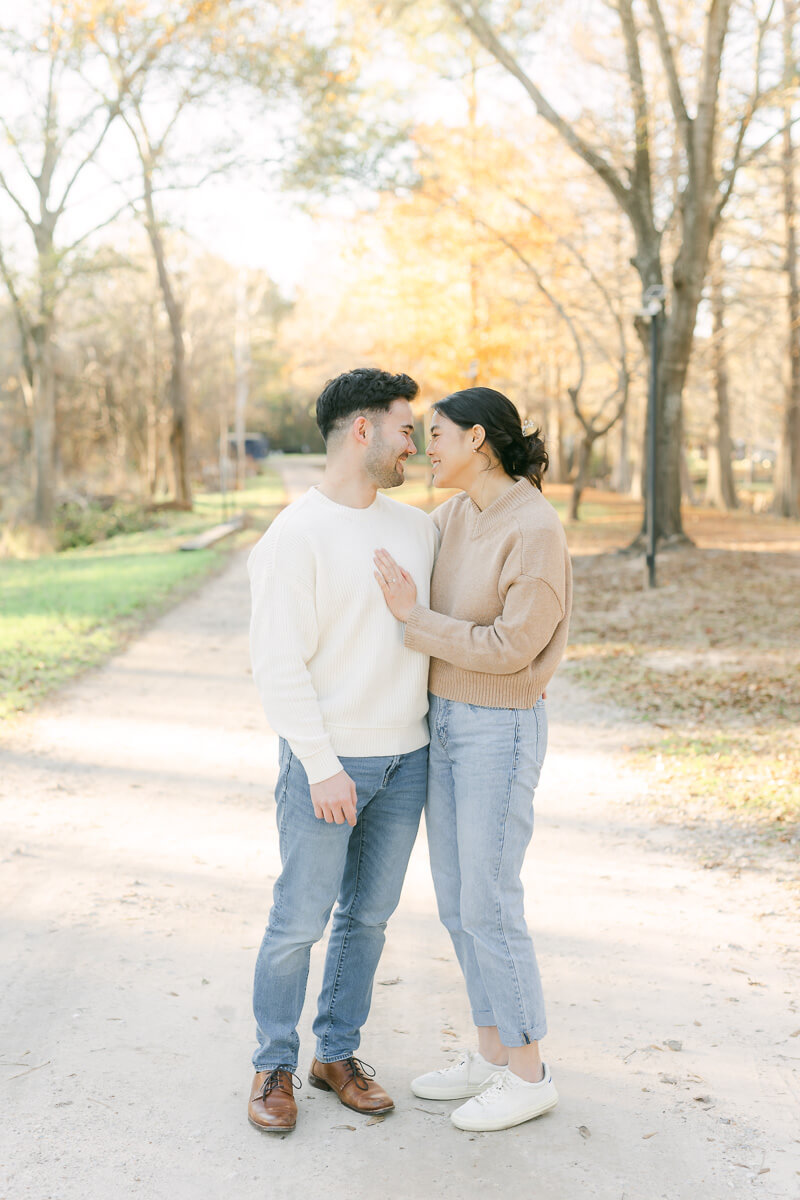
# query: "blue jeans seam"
345, 936
276, 892
499, 910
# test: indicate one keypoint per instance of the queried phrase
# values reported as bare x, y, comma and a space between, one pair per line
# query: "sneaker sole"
452, 1094
496, 1126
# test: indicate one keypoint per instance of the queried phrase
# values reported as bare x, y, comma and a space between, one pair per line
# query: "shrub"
83, 524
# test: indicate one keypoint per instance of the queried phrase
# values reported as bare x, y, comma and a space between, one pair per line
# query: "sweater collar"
482, 519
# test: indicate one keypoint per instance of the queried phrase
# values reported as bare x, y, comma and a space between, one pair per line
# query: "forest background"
209, 208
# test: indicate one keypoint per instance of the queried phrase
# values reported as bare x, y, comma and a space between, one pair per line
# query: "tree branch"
20, 315
677, 102
6, 188
758, 98
641, 114
13, 142
467, 12
113, 112
551, 299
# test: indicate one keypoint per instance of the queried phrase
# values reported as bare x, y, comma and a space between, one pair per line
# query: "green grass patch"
61, 613
64, 612
261, 497
753, 772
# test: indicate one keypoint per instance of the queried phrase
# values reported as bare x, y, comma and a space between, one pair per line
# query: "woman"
497, 626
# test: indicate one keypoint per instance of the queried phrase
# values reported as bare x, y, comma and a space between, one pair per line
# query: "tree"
787, 471
176, 59
720, 490
707, 174
200, 56
47, 152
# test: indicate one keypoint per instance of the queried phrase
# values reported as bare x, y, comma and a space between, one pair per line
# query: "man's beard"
382, 466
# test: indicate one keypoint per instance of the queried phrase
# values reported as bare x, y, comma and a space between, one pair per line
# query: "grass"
709, 662
262, 495
61, 613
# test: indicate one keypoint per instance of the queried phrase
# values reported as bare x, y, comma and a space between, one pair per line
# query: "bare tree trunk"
241, 357
581, 476
720, 489
560, 475
786, 500
44, 427
178, 391
622, 477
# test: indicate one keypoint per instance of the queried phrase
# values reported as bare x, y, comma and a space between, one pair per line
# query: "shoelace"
501, 1082
360, 1072
463, 1061
274, 1082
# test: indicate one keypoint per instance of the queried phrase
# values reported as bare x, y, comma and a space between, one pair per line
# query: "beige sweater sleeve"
531, 612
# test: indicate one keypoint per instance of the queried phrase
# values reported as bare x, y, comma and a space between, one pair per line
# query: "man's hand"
335, 799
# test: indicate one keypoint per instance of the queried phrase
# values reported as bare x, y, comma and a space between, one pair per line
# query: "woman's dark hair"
521, 454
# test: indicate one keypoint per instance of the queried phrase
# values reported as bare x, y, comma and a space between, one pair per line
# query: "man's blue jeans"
363, 867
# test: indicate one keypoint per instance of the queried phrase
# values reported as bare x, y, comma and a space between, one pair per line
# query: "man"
349, 702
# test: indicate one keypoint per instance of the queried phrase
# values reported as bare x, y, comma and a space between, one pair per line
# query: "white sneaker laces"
495, 1090
462, 1062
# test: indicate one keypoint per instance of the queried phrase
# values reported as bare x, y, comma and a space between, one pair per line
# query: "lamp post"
652, 308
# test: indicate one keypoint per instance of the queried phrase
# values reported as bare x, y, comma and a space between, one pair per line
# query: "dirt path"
138, 851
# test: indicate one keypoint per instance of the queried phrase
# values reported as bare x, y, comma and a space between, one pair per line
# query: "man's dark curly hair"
364, 390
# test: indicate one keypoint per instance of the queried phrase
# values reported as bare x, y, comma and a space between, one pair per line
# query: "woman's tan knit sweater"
501, 597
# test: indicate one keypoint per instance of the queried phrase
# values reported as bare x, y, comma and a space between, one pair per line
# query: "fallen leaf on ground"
376, 1120
645, 1136
702, 1099
352, 1128
584, 1131
389, 982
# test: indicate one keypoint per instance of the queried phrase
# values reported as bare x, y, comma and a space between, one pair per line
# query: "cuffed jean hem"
339, 1057
274, 1066
486, 1019
514, 1037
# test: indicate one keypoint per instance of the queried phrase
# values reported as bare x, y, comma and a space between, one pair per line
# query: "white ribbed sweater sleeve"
283, 638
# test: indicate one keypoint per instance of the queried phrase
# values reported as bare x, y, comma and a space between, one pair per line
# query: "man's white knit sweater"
328, 657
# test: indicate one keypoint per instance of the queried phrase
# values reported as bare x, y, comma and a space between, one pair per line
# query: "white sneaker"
509, 1101
465, 1078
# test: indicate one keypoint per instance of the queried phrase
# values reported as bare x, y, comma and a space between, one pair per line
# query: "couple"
361, 606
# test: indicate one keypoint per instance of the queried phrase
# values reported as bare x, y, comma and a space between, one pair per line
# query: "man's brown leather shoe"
272, 1107
354, 1084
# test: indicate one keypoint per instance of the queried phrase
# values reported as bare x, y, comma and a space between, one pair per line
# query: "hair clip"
527, 428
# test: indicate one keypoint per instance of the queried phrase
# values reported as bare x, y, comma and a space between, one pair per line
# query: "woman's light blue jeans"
483, 768
361, 867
